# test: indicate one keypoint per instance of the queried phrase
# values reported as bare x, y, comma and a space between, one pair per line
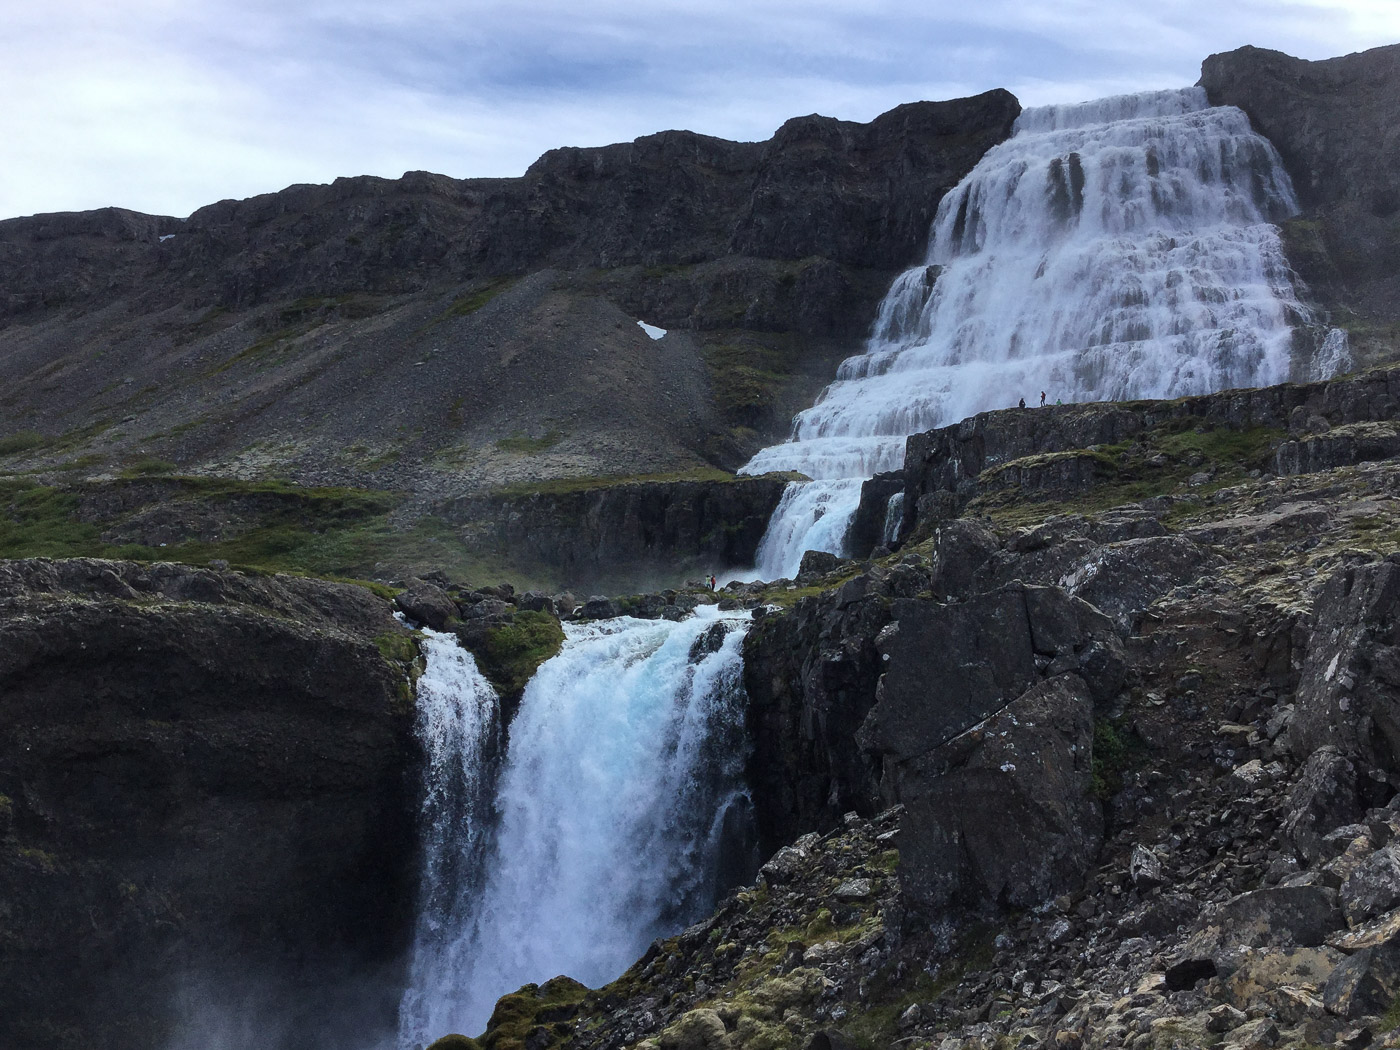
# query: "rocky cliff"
207, 800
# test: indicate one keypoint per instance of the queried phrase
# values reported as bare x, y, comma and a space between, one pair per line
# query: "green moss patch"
529, 446
21, 441
536, 1012
512, 653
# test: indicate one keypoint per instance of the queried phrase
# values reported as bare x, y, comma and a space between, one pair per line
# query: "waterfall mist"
1118, 249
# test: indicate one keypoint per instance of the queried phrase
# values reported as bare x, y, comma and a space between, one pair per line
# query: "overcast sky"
166, 105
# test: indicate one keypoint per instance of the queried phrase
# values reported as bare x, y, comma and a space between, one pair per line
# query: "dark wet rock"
1333, 123
867, 529
599, 607
630, 531
819, 563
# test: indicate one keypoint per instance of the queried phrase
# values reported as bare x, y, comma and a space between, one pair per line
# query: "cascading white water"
1112, 250
623, 768
458, 724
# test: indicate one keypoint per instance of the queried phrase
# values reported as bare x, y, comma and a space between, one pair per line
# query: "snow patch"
651, 330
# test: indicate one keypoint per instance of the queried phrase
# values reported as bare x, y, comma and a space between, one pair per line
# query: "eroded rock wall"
208, 807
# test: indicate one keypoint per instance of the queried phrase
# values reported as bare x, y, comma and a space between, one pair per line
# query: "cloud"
165, 105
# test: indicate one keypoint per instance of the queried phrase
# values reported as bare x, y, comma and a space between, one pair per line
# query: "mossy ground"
512, 653
274, 526
1159, 461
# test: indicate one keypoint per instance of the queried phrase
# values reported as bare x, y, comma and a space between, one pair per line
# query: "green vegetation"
517, 1015
455, 1042
562, 486
21, 441
512, 653
270, 526
1390, 1020
1113, 752
528, 445
147, 466
472, 300
1152, 463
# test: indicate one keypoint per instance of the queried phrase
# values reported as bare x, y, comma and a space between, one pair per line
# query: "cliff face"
1334, 124
208, 806
626, 537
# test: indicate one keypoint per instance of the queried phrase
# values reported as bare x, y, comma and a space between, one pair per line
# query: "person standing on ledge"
1042, 399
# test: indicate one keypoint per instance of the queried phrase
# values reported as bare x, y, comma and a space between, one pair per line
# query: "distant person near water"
712, 581
1042, 399
1023, 403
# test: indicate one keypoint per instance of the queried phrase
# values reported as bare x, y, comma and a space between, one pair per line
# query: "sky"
164, 106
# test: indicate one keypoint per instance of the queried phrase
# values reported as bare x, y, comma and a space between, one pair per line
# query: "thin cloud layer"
166, 105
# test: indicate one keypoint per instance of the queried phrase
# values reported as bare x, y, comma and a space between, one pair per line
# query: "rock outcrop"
208, 805
627, 535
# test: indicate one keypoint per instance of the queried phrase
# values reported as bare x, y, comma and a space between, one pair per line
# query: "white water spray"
623, 769
1113, 250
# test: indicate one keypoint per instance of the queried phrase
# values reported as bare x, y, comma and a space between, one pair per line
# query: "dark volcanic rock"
1349, 695
207, 778
984, 726
630, 534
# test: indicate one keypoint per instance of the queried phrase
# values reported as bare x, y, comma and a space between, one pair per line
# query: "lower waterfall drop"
619, 799
1118, 249
458, 724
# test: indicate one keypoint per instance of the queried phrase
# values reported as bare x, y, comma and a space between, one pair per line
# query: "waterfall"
458, 724
1113, 250
615, 809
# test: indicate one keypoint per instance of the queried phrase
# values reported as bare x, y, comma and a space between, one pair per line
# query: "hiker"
712, 581
1042, 399
1023, 402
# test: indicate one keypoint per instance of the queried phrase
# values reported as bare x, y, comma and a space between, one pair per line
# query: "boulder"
960, 548
983, 726
1349, 690
1367, 982
1123, 579
1323, 797
599, 607
426, 603
1374, 887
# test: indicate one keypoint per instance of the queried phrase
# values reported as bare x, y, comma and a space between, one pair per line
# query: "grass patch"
472, 300
1113, 754
527, 445
562, 486
518, 1014
148, 466
21, 441
1150, 464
